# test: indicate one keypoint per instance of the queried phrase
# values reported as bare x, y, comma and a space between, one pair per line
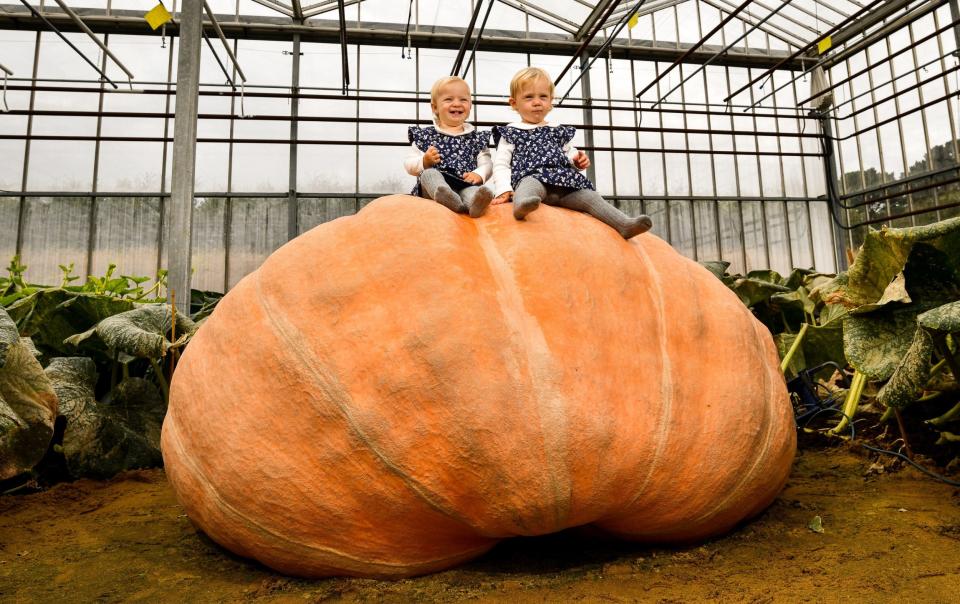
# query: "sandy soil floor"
888, 537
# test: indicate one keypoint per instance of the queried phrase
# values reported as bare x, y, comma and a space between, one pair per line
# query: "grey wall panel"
56, 231
127, 234
257, 228
9, 212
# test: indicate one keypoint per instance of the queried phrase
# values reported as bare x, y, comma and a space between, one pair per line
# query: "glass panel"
61, 166
779, 243
754, 235
257, 228
211, 174
56, 231
261, 167
9, 218
681, 228
127, 235
381, 170
332, 169
133, 167
731, 231
313, 212
799, 235
11, 168
657, 211
822, 237
706, 223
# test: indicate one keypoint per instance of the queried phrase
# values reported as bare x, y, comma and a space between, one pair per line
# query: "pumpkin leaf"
911, 374
884, 255
28, 408
752, 291
944, 318
717, 267
100, 439
8, 335
141, 332
51, 315
820, 345
874, 343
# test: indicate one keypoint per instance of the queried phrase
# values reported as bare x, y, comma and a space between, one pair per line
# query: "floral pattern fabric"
538, 152
458, 154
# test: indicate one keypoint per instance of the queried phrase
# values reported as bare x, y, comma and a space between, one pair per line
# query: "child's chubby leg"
477, 199
592, 203
434, 186
527, 197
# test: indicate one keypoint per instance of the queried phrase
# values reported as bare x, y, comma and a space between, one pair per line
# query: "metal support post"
184, 154
955, 17
292, 216
833, 199
587, 113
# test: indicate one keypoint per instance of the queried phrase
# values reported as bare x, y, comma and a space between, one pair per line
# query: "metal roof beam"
130, 22
885, 10
592, 19
272, 5
325, 7
543, 14
750, 20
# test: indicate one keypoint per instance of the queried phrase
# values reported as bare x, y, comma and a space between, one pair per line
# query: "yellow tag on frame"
632, 22
824, 45
157, 16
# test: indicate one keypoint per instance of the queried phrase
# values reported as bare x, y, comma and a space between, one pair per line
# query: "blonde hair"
435, 89
527, 75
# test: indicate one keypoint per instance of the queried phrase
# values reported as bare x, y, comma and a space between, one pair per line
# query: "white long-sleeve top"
501, 165
413, 163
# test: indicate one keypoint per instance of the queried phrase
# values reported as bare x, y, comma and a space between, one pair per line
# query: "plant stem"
161, 379
953, 413
850, 405
903, 433
793, 348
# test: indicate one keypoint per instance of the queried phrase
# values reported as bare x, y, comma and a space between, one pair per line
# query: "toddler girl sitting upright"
536, 163
451, 158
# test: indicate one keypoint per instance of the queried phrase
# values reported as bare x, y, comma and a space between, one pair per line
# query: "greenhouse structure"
763, 133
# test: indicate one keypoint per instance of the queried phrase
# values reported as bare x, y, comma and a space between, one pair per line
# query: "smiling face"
452, 104
533, 101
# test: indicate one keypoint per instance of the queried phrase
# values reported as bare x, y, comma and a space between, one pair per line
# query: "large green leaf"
944, 318
28, 408
50, 316
911, 374
883, 257
8, 335
98, 441
874, 343
820, 344
142, 332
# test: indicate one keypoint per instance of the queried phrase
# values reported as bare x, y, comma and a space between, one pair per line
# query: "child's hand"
581, 161
473, 178
431, 158
502, 198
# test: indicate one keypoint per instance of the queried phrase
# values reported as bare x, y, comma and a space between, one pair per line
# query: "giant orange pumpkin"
394, 392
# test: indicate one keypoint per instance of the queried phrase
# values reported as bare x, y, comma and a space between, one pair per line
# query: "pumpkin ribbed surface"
393, 392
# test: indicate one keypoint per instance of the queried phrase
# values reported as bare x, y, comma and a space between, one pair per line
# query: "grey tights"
530, 192
473, 200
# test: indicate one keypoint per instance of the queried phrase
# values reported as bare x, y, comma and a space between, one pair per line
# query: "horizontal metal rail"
401, 121
598, 105
278, 141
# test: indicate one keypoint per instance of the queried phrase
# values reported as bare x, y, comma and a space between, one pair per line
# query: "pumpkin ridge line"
540, 367
666, 387
286, 334
747, 477
252, 524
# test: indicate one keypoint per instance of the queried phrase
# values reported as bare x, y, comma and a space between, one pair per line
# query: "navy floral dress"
458, 154
538, 152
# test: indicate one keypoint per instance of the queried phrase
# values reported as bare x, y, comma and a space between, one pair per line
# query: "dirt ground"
887, 537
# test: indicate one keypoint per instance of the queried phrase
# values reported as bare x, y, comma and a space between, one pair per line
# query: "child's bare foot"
522, 207
636, 226
449, 198
481, 200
